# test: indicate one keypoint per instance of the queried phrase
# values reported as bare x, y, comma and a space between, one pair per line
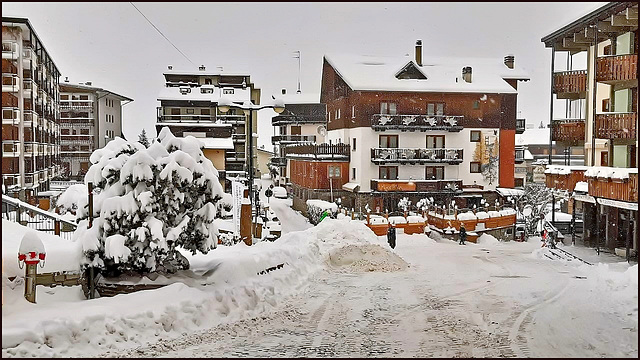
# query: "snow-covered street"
482, 300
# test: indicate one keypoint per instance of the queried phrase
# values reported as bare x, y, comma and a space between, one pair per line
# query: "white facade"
367, 139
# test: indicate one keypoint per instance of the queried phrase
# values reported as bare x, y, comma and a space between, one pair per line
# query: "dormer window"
185, 90
227, 91
206, 90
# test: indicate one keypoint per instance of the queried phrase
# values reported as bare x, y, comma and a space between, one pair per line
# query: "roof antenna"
296, 55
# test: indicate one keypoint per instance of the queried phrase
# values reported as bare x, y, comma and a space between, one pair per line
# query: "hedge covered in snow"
315, 209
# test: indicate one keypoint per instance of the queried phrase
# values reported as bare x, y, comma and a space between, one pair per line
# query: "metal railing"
36, 218
416, 122
319, 150
415, 156
293, 138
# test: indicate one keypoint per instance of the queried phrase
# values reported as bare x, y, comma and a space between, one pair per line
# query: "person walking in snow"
391, 236
463, 234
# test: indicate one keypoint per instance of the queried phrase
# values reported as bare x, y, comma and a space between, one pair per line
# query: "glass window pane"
440, 109
383, 108
392, 108
393, 141
430, 109
439, 142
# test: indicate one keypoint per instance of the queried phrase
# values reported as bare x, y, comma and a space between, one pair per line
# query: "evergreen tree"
142, 138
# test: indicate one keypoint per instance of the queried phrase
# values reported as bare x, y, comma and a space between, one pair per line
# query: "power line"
186, 57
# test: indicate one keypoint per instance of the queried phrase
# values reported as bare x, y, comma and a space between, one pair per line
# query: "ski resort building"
30, 111
90, 117
189, 106
418, 127
602, 101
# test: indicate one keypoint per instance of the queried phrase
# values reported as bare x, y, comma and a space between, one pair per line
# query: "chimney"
419, 52
509, 61
66, 79
88, 83
170, 67
284, 91
466, 74
201, 68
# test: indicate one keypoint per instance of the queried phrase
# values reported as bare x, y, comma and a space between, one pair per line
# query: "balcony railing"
570, 84
317, 151
280, 120
616, 125
416, 122
189, 118
565, 179
415, 156
519, 154
383, 185
520, 125
617, 68
568, 130
279, 161
615, 189
292, 138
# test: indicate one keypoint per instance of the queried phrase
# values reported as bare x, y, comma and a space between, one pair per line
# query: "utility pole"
297, 56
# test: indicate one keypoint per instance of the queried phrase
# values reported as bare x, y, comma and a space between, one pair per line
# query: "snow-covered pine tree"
143, 139
149, 202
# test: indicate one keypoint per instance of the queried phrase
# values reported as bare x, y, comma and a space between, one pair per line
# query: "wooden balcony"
568, 131
615, 69
615, 189
570, 84
382, 122
564, 181
616, 126
281, 120
383, 185
415, 156
319, 151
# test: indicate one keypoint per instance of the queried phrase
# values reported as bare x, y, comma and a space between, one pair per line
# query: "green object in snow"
324, 215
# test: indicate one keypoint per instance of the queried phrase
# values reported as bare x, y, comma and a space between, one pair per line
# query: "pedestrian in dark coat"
391, 236
463, 234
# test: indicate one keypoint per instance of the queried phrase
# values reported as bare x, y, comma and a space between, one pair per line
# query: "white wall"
367, 139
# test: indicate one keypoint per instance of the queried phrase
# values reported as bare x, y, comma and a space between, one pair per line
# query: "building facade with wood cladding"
419, 127
602, 101
30, 111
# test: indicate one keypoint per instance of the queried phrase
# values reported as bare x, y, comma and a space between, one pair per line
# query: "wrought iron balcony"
383, 185
280, 120
415, 156
568, 131
618, 68
570, 84
381, 122
616, 125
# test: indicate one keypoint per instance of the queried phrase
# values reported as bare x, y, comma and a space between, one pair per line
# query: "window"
64, 97
434, 172
388, 141
435, 141
353, 173
353, 146
208, 82
227, 91
205, 111
476, 104
353, 112
475, 135
338, 113
388, 108
84, 97
435, 108
334, 172
189, 111
206, 91
388, 172
474, 167
175, 111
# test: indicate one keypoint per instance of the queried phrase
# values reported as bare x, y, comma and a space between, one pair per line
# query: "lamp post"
247, 108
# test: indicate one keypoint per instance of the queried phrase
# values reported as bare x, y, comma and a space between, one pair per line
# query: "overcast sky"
113, 46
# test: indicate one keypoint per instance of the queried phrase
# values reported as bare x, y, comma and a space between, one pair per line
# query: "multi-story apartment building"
605, 95
30, 113
189, 106
89, 118
419, 128
303, 121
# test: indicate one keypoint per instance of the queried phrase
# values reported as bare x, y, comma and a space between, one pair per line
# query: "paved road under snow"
453, 301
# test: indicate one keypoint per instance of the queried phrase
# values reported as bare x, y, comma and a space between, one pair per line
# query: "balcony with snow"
445, 185
422, 156
612, 183
383, 122
319, 151
616, 125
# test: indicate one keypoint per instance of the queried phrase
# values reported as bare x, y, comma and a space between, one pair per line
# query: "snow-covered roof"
528, 155
362, 72
197, 72
196, 94
533, 137
610, 172
216, 143
564, 169
351, 186
509, 192
93, 88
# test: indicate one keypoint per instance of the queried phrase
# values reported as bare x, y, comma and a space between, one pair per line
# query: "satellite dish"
527, 210
322, 131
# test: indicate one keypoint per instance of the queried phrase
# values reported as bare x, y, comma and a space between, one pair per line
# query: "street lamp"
247, 107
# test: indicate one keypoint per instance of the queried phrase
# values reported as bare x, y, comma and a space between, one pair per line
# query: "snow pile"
412, 219
397, 220
279, 192
365, 258
324, 205
74, 197
467, 216
604, 277
482, 215
487, 239
494, 214
581, 186
377, 220
507, 212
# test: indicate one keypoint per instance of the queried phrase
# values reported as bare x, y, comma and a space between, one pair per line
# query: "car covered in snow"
279, 192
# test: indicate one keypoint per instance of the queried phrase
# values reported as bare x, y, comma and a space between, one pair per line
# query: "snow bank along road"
483, 300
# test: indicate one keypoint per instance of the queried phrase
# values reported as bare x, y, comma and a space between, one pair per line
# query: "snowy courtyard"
343, 292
